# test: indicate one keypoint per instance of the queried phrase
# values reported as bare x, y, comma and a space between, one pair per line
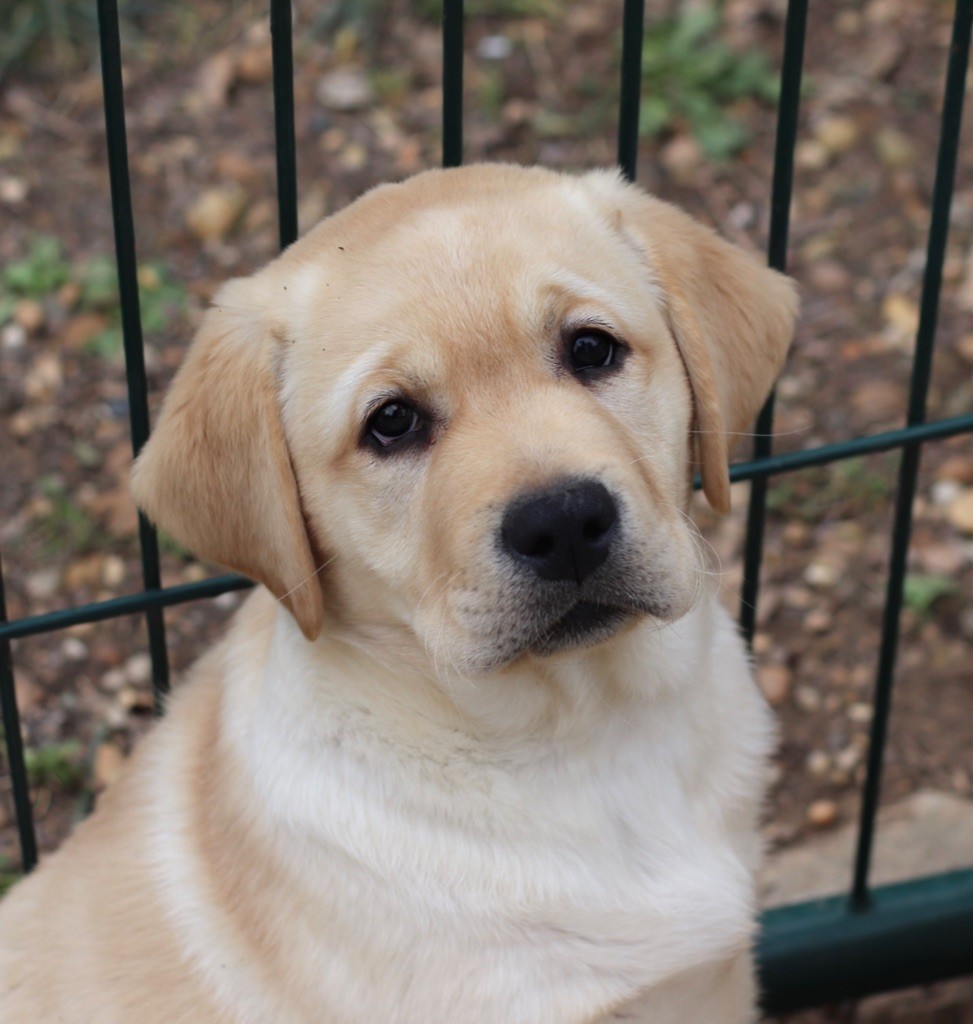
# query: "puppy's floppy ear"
731, 316
216, 472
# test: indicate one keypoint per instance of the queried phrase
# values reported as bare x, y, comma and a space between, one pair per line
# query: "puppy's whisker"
772, 434
437, 651
307, 579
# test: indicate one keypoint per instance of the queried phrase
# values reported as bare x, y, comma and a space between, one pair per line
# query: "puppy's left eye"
591, 349
393, 422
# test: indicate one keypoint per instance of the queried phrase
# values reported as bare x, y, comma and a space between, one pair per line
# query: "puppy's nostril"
541, 547
595, 529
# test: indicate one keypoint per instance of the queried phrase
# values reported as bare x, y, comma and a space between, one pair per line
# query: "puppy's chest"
568, 890
570, 903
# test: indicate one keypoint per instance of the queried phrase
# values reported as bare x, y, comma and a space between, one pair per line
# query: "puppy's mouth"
585, 624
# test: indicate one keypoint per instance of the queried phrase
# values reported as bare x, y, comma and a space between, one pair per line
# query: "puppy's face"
483, 387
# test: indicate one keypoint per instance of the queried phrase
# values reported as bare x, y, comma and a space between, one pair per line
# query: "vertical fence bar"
15, 747
121, 202
452, 83
792, 67
281, 35
633, 33
909, 466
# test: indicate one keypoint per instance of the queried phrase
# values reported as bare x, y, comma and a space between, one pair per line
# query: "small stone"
116, 717
113, 571
261, 214
960, 512
255, 64
30, 315
13, 190
822, 813
84, 573
347, 89
237, 167
901, 312
227, 601
13, 337
848, 23
138, 668
807, 698
43, 584
29, 694
353, 157
958, 468
818, 247
494, 48
45, 378
213, 83
818, 764
762, 642
25, 422
113, 679
775, 682
81, 329
796, 534
944, 492
681, 158
837, 134
940, 559
879, 399
964, 347
742, 216
818, 621
798, 597
312, 207
74, 649
894, 148
822, 574
829, 276
88, 455
214, 213
68, 295
849, 759
884, 55
810, 155
860, 712
130, 699
108, 764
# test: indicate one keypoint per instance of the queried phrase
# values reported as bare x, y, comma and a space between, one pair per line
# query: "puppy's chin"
586, 624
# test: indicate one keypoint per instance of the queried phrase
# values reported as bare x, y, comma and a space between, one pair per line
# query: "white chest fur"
541, 877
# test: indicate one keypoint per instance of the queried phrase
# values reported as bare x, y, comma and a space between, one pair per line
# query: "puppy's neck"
533, 702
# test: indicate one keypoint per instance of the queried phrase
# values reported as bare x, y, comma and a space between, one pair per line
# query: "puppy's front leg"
724, 994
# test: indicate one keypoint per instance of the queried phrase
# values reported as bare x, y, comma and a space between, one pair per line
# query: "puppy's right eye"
393, 422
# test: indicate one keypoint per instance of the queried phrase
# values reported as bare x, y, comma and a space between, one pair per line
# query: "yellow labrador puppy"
483, 749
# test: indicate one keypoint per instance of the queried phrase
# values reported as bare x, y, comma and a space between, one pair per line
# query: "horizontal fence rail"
843, 947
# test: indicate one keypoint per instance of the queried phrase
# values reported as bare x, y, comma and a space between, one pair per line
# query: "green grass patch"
691, 76
920, 592
45, 268
844, 490
66, 527
58, 766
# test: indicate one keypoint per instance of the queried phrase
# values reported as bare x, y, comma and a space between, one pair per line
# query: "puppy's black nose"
562, 534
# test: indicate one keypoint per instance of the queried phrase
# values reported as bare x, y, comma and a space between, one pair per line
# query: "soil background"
541, 87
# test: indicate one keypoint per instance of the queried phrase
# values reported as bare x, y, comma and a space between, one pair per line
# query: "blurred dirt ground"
541, 86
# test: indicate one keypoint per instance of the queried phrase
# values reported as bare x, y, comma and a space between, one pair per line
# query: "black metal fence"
847, 946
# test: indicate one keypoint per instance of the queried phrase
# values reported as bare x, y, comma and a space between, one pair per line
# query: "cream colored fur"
374, 801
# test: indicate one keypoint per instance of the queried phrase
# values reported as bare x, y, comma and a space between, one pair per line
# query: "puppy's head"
477, 398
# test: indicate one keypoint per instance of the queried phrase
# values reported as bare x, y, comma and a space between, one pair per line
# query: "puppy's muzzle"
563, 533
